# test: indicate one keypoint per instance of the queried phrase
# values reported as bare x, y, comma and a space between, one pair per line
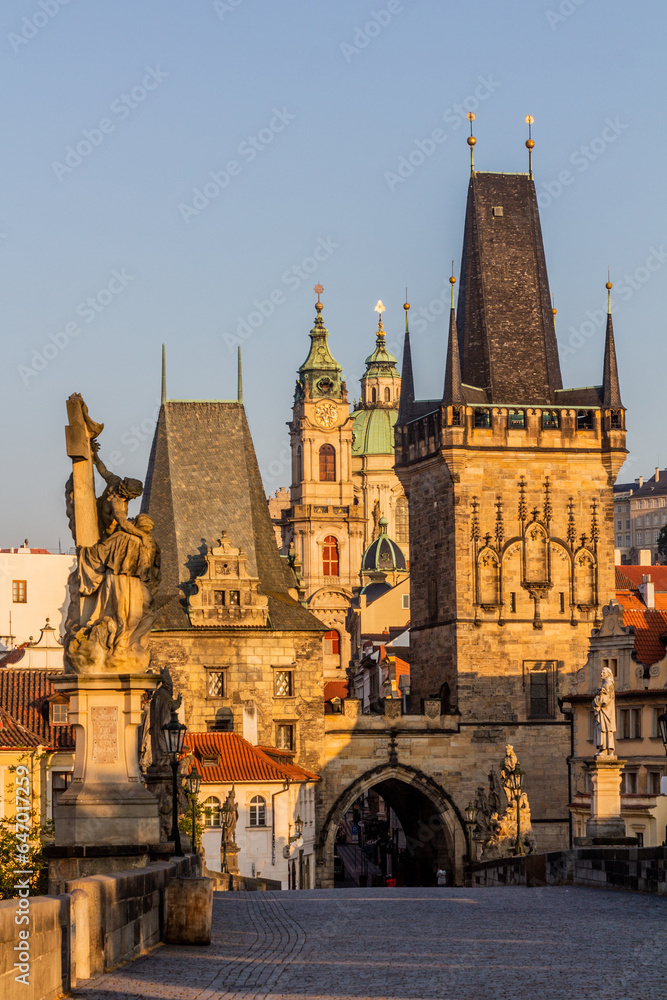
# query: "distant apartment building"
33, 587
640, 511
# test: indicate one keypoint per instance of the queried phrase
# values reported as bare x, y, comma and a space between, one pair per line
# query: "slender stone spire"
453, 393
239, 394
163, 394
407, 380
611, 391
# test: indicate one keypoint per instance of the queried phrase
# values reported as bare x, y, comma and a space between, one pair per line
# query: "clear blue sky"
313, 103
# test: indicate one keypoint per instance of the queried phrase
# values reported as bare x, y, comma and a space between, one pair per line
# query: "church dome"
373, 432
383, 555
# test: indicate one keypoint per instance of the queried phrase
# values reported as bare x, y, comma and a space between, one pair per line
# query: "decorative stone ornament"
226, 595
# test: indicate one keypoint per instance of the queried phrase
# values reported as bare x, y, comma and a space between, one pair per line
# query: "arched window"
330, 556
257, 811
327, 464
212, 811
374, 395
387, 395
299, 465
332, 643
402, 532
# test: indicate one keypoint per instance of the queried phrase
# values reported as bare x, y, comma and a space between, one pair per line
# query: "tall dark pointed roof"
453, 392
203, 478
407, 379
506, 331
611, 390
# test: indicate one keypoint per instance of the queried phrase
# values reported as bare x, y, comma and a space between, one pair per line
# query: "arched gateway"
433, 826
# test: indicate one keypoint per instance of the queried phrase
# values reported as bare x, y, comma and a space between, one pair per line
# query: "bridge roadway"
469, 944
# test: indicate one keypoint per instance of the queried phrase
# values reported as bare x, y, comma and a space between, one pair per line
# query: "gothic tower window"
402, 533
387, 395
374, 395
327, 464
330, 556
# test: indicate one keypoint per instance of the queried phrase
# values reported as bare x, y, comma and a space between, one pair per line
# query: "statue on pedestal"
604, 708
154, 757
112, 606
499, 830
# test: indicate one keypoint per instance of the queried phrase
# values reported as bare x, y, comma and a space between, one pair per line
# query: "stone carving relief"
225, 592
496, 830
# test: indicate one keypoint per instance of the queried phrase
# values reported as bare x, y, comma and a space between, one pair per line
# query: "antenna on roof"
530, 145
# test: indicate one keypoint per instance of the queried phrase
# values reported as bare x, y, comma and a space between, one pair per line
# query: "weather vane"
319, 289
379, 309
471, 140
530, 145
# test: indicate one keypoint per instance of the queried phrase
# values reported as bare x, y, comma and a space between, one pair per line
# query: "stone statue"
154, 750
509, 764
501, 827
230, 815
377, 514
112, 592
604, 708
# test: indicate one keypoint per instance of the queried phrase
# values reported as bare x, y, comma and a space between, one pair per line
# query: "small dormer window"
59, 714
210, 761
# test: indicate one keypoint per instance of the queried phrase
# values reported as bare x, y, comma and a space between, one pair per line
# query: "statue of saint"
509, 765
154, 750
112, 606
230, 815
604, 708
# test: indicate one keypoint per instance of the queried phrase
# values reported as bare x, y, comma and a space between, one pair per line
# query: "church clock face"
326, 414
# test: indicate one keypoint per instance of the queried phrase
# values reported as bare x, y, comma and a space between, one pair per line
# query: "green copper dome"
373, 431
383, 555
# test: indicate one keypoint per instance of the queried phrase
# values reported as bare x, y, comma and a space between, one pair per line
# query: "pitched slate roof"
238, 760
24, 695
650, 488
203, 478
506, 330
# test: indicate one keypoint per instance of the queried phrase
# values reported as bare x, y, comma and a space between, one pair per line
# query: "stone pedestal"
606, 820
106, 803
189, 906
232, 858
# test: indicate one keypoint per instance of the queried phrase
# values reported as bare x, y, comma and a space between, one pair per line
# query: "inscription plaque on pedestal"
105, 734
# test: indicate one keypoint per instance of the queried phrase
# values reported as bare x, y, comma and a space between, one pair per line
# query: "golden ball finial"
530, 144
406, 306
553, 312
471, 140
319, 306
452, 280
609, 286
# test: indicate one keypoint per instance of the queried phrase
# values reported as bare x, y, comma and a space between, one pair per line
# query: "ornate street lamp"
298, 830
174, 733
662, 727
515, 779
192, 784
470, 815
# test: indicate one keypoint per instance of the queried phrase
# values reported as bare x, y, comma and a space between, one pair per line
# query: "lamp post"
515, 778
174, 732
298, 830
192, 784
470, 815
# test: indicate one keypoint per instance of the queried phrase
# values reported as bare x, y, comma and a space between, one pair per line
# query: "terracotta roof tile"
13, 735
649, 625
24, 695
335, 689
239, 760
629, 577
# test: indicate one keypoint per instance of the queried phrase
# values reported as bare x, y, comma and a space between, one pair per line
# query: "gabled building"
242, 650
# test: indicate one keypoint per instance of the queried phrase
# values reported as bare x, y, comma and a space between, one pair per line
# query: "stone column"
605, 820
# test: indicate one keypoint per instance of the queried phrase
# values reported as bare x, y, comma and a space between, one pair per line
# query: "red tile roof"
335, 689
14, 655
239, 760
629, 577
649, 624
15, 736
25, 694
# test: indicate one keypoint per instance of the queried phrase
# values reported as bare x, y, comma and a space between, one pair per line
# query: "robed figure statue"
604, 709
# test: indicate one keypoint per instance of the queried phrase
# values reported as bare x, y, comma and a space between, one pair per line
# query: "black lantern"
174, 733
662, 727
193, 784
298, 826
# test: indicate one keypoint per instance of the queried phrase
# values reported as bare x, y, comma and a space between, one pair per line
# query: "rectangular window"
562, 603
215, 683
19, 592
60, 781
219, 598
611, 664
482, 418
627, 541
513, 603
285, 737
550, 419
627, 524
655, 537
433, 599
540, 688
584, 420
516, 419
405, 602
619, 525
234, 598
630, 723
639, 834
653, 782
257, 811
640, 538
619, 541
629, 783
59, 714
283, 683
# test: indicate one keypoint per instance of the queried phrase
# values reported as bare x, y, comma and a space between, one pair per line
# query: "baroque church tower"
509, 479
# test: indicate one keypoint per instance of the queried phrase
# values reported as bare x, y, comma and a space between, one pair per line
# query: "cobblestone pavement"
469, 944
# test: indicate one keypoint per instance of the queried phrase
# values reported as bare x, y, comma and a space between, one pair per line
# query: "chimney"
657, 474
640, 481
645, 558
647, 590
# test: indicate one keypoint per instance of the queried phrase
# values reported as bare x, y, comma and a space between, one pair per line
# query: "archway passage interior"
393, 831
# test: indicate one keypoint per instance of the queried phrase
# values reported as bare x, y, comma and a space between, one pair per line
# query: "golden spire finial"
379, 309
553, 304
406, 306
530, 145
609, 287
319, 289
452, 282
471, 142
